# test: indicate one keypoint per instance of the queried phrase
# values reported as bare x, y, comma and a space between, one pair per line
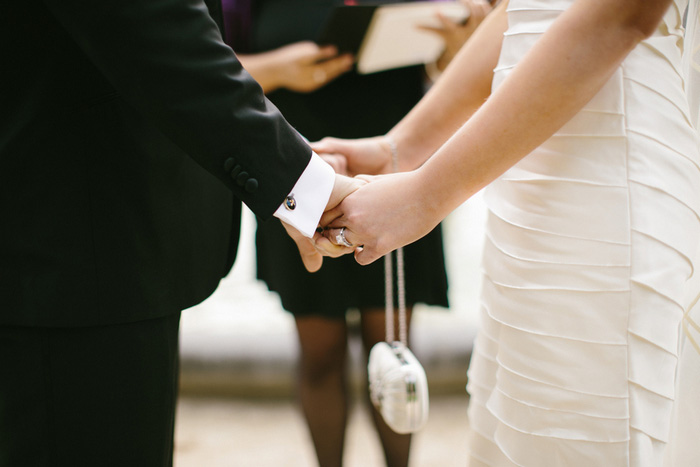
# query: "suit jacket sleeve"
167, 59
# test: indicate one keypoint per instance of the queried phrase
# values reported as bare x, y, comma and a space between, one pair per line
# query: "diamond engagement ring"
341, 240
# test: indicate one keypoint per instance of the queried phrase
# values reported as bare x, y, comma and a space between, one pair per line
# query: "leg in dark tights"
322, 385
396, 446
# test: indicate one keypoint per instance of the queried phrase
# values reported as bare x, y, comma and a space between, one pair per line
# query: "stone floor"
237, 432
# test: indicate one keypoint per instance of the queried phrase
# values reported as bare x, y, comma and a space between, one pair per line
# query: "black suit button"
242, 178
236, 170
251, 186
229, 163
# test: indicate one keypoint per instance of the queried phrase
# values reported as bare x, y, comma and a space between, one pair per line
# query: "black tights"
323, 386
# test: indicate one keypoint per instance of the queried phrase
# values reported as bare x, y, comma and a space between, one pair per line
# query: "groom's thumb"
310, 256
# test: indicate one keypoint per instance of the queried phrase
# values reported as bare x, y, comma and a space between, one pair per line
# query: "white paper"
393, 39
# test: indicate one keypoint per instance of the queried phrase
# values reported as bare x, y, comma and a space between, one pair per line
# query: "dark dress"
350, 107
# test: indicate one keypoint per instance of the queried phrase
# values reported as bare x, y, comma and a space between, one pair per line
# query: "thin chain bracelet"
394, 153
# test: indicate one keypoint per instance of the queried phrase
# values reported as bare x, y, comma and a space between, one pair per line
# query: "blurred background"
239, 350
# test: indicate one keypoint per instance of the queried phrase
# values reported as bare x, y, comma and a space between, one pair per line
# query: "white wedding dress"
684, 446
589, 246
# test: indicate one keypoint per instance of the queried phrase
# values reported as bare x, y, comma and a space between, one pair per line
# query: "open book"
387, 36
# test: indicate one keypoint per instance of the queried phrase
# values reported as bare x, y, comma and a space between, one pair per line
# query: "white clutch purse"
398, 386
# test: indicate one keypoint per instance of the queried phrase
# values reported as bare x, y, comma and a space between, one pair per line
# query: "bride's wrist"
394, 161
423, 195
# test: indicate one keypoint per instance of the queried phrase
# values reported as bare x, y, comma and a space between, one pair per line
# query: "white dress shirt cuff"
303, 207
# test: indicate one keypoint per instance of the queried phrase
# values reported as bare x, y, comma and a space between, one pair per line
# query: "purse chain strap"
400, 277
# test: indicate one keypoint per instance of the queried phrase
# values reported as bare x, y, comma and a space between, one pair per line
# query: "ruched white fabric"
590, 242
683, 446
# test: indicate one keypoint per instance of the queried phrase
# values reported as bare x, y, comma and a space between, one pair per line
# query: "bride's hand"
387, 213
363, 156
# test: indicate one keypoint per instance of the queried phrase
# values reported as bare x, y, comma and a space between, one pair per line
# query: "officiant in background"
320, 94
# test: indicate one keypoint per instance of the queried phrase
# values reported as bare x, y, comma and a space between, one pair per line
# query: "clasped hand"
375, 214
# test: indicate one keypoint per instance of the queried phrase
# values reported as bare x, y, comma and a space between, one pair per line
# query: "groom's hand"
343, 187
310, 256
312, 253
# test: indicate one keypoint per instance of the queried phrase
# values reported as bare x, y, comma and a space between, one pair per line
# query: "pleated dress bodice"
590, 240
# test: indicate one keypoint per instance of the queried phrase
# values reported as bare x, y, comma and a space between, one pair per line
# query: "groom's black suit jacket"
129, 135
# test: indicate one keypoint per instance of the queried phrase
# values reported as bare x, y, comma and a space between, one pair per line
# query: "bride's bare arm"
461, 90
560, 74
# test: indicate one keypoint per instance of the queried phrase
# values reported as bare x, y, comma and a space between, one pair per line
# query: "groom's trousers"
90, 396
